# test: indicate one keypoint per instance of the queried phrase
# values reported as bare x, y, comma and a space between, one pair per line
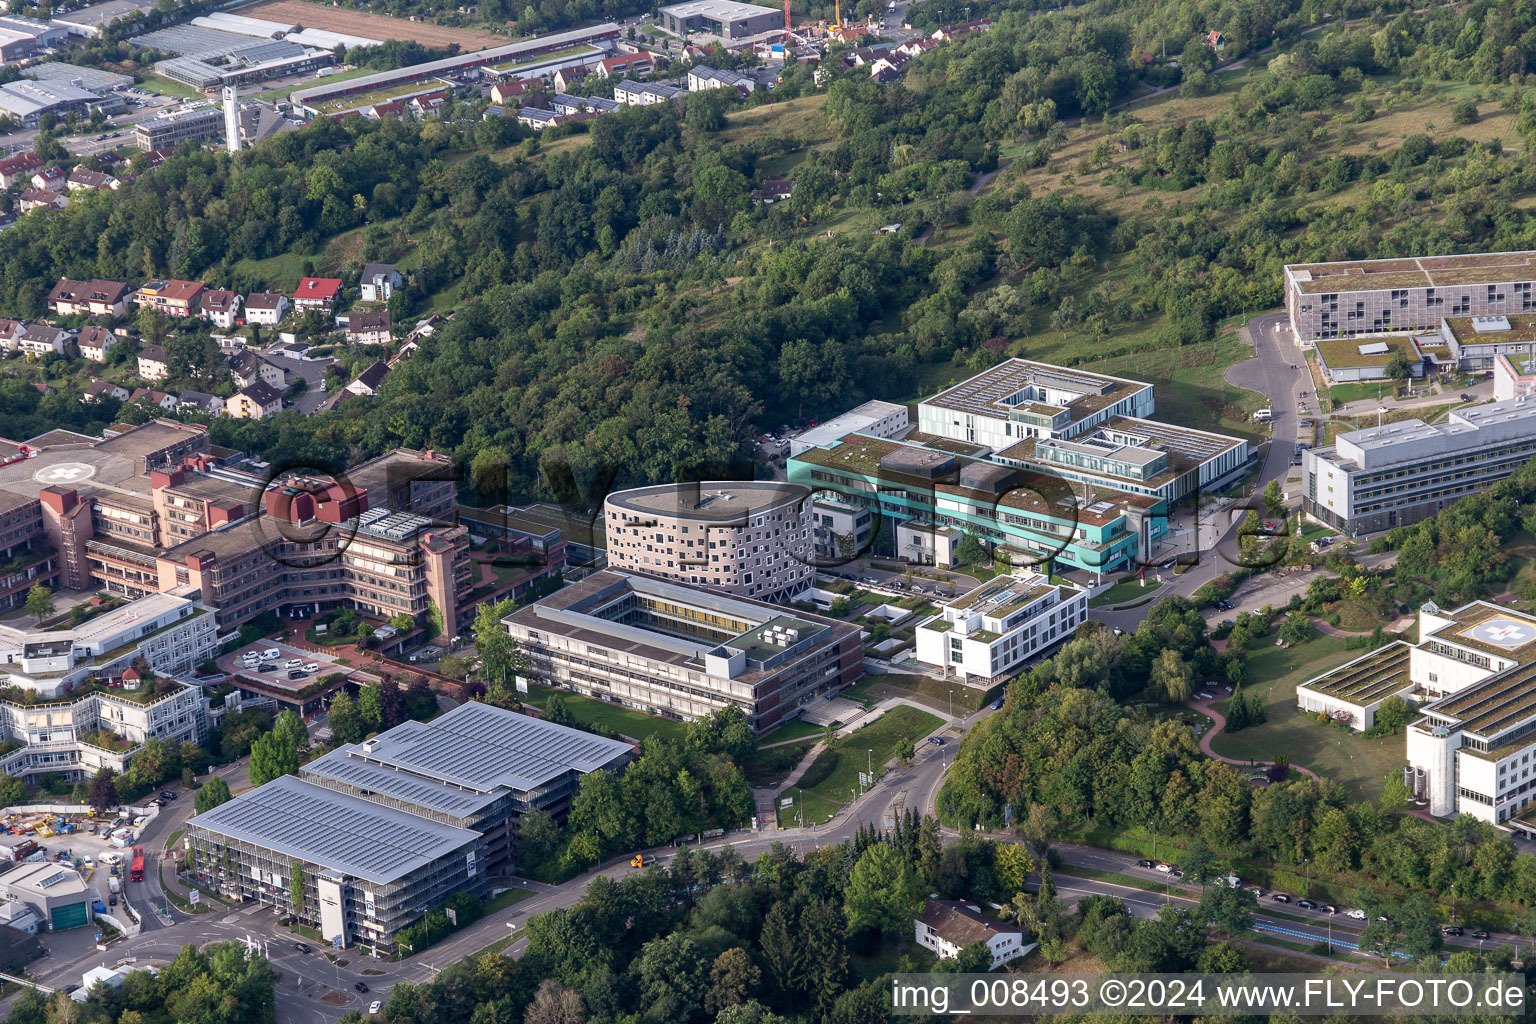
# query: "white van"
271, 654
1263, 416
293, 663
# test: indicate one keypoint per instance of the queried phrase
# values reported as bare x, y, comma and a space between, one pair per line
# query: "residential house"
379, 281
16, 170
50, 179
390, 108
917, 47
170, 297
220, 306
89, 298
256, 402
368, 329
160, 399
601, 105
566, 79
507, 93
152, 363
889, 68
200, 400
82, 180
702, 77
537, 119
40, 199
626, 65
40, 339
315, 293
1215, 40
430, 105
944, 35
10, 330
368, 382
246, 368
645, 94
865, 55
96, 343
99, 389
564, 104
265, 308
948, 926
773, 190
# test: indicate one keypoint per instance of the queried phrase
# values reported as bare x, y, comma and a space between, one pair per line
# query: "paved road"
1269, 373
313, 372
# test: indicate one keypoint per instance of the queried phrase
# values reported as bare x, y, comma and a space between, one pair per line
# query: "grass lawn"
506, 899
1128, 589
795, 729
872, 745
166, 87
1356, 763
634, 724
770, 766
925, 690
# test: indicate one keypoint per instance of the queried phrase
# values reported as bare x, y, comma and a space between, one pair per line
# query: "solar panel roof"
482, 747
311, 823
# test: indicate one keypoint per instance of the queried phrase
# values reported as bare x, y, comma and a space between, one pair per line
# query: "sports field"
371, 26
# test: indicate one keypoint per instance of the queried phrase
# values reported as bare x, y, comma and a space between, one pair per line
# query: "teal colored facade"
1115, 531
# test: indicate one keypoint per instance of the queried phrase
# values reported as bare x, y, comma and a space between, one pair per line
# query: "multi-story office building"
26, 560
986, 635
386, 829
1472, 752
1086, 427
367, 870
198, 124
151, 510
1397, 474
924, 492
1357, 297
171, 631
681, 651
99, 727
725, 19
478, 767
875, 418
1474, 342
751, 538
841, 531
1018, 398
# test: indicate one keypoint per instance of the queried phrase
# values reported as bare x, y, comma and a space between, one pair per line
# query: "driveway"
313, 372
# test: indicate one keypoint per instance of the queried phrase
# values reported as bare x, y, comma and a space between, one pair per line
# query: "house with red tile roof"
316, 293
170, 296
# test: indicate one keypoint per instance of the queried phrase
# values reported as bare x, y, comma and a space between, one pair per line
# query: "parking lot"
97, 845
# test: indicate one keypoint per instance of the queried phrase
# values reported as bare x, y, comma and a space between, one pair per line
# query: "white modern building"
1400, 473
948, 926
1352, 693
987, 634
874, 418
842, 531
1513, 378
1089, 428
171, 631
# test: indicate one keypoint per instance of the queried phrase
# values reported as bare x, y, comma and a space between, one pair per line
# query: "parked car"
1450, 929
1143, 863
1164, 868
937, 741
1257, 890
166, 794
997, 705
1176, 873
1329, 908
1280, 897
1306, 904
374, 1007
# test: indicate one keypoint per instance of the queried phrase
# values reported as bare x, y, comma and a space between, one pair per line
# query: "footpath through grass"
869, 747
1358, 764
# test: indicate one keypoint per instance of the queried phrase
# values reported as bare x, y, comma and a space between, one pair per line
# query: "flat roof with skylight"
310, 823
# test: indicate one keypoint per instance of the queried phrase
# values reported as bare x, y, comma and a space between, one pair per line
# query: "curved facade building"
750, 538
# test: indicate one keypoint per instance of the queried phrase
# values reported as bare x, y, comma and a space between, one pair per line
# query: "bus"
136, 871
